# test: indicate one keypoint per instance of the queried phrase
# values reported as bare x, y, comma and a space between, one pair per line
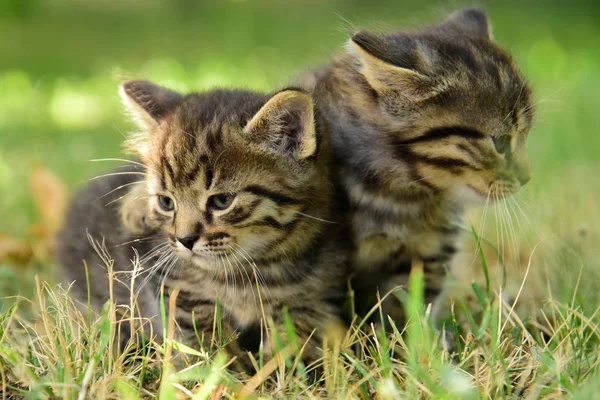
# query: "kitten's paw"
134, 211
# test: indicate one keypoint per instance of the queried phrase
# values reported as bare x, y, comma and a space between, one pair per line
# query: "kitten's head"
230, 173
451, 103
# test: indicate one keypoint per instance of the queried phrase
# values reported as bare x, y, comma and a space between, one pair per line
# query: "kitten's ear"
286, 124
147, 102
374, 55
469, 21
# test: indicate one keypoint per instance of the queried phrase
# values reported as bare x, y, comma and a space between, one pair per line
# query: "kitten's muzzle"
188, 241
524, 176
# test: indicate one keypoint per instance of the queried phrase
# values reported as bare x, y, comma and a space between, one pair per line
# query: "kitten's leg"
197, 328
434, 276
391, 305
313, 322
134, 210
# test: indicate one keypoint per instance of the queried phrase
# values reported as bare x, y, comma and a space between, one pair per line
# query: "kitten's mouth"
501, 190
211, 253
202, 254
495, 191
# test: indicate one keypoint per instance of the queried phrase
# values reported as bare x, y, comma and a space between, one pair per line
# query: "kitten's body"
94, 214
273, 245
423, 125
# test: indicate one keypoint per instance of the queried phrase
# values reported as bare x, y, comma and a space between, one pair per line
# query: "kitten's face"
455, 105
230, 173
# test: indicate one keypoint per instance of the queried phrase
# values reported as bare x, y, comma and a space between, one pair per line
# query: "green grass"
63, 355
61, 64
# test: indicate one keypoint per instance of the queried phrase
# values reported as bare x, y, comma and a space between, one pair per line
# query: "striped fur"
423, 124
266, 244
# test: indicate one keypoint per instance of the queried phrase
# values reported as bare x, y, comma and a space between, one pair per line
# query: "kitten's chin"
201, 258
472, 196
468, 195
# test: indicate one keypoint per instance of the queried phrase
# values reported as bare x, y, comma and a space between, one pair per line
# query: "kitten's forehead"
213, 109
480, 80
203, 141
206, 124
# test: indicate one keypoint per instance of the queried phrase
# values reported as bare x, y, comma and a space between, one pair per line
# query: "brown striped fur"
237, 184
423, 125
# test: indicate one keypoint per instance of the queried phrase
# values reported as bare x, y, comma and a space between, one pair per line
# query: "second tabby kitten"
238, 196
423, 124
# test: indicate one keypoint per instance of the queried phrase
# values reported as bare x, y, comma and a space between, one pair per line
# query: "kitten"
423, 125
236, 193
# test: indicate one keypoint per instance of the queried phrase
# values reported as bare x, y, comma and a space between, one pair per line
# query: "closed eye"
502, 143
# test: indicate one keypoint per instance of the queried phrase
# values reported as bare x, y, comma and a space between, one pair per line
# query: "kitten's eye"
502, 143
166, 203
220, 201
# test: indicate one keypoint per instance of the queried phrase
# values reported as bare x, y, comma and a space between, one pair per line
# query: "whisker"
517, 218
117, 174
119, 159
482, 223
260, 280
315, 218
117, 188
498, 234
252, 291
233, 278
129, 202
511, 230
156, 236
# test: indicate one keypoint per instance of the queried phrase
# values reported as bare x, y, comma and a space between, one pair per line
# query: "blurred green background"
62, 60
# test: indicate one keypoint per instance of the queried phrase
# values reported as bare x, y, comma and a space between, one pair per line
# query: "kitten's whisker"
260, 280
511, 203
117, 174
156, 236
498, 236
159, 249
152, 252
129, 202
531, 225
482, 223
224, 268
241, 267
117, 188
252, 290
315, 218
514, 211
119, 159
418, 180
503, 228
511, 229
510, 113
233, 277
217, 159
169, 263
164, 260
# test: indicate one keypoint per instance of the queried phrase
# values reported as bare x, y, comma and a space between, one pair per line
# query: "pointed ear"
285, 124
147, 102
382, 75
469, 21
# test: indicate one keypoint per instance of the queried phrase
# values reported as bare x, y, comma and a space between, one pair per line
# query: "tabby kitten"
423, 125
236, 193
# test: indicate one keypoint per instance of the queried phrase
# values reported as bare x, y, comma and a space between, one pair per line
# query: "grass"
525, 323
63, 354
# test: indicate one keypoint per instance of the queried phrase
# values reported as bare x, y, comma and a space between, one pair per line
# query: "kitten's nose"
188, 241
524, 178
